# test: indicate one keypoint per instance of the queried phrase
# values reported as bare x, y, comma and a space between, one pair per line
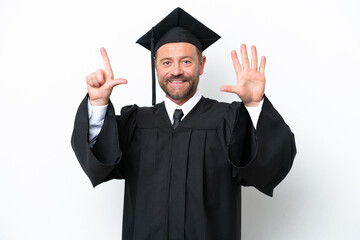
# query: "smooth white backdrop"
48, 47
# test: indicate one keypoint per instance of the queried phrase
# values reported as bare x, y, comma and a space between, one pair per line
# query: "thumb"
117, 81
228, 88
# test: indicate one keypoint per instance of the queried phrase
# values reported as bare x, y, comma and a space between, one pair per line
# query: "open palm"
250, 84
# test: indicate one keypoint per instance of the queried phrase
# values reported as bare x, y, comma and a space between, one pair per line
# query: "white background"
48, 47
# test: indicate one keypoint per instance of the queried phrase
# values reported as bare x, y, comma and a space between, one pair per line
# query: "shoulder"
129, 110
208, 104
149, 110
147, 117
207, 114
214, 107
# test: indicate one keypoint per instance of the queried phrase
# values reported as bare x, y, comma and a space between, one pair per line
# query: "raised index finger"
107, 66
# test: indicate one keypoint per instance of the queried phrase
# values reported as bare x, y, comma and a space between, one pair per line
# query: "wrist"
99, 102
251, 104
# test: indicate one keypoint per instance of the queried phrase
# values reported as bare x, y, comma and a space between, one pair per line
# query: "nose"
177, 69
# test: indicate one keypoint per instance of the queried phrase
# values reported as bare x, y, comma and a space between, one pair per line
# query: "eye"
186, 62
166, 63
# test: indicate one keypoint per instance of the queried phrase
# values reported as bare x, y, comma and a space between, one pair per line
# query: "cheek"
161, 73
193, 71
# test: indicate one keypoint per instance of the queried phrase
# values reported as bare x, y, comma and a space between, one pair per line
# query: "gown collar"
186, 107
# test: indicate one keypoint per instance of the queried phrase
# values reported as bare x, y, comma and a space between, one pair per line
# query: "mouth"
177, 81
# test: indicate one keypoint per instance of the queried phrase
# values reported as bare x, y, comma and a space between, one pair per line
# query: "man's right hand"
101, 82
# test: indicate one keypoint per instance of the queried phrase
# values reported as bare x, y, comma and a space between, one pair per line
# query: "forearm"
262, 158
98, 164
96, 115
254, 112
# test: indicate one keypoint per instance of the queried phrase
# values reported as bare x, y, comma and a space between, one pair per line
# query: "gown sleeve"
104, 161
262, 157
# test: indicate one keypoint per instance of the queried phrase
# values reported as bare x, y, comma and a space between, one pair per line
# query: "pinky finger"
88, 80
95, 83
262, 65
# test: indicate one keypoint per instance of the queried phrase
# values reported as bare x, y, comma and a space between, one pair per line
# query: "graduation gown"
184, 184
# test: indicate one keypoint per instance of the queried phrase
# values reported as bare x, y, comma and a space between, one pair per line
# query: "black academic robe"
185, 183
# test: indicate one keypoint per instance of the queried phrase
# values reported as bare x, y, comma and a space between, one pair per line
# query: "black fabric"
179, 18
178, 34
186, 183
178, 114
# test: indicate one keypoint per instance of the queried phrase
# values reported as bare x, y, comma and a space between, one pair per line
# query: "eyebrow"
169, 58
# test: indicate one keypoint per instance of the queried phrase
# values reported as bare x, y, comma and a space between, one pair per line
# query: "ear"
202, 65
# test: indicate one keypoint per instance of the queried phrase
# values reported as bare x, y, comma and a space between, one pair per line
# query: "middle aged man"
184, 160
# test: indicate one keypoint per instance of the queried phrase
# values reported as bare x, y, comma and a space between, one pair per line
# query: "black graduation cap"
178, 26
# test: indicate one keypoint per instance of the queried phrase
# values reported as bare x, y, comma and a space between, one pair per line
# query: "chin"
181, 96
178, 96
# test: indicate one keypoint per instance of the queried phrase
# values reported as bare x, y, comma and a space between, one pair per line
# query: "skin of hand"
250, 84
101, 83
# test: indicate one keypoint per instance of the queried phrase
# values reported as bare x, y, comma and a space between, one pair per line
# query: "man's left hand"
250, 84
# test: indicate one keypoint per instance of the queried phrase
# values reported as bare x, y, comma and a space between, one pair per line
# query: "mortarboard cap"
178, 26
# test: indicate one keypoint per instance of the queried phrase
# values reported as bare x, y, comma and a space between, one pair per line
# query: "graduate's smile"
179, 87
179, 69
178, 82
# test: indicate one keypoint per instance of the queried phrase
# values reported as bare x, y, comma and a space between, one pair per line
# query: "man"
183, 160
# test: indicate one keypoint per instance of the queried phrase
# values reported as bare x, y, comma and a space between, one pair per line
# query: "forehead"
179, 49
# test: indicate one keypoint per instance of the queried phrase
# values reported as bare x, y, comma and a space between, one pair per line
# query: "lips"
177, 81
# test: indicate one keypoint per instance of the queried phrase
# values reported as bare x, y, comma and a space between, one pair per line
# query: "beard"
184, 93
